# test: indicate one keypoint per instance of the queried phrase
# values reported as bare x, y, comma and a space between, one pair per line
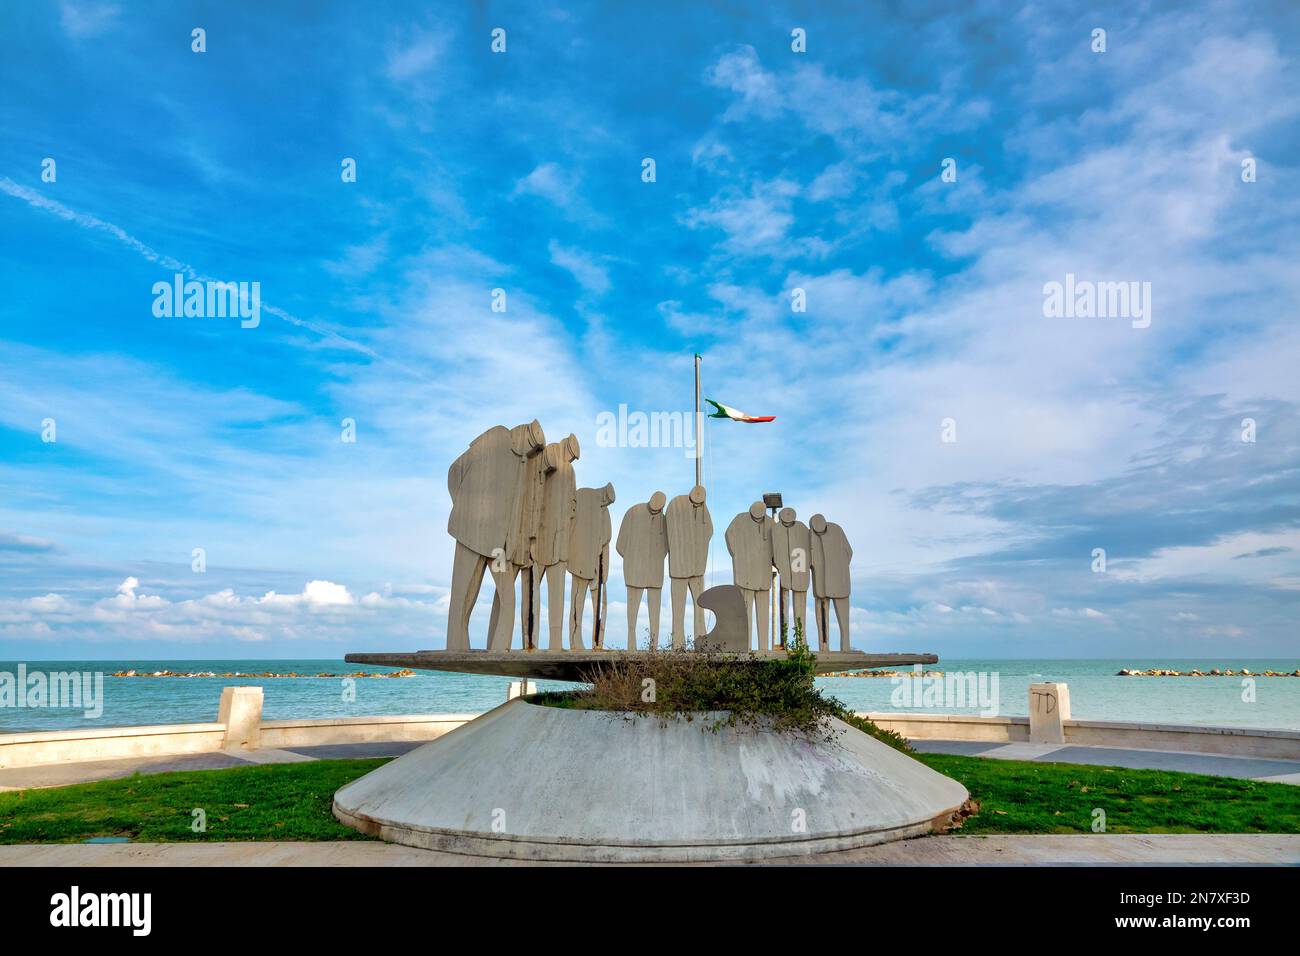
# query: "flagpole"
699, 422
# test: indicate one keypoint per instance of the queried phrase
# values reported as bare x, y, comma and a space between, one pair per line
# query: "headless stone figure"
551, 546
689, 531
486, 484
749, 539
831, 556
791, 553
521, 534
589, 562
643, 543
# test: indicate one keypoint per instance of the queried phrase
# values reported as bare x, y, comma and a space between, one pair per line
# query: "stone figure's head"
757, 511
607, 495
787, 517
697, 495
571, 449
528, 438
656, 502
818, 524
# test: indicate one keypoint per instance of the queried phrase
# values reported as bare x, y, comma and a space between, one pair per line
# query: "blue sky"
775, 170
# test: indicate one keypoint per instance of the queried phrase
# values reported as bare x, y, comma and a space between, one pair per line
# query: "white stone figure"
486, 483
589, 562
551, 546
690, 528
749, 539
831, 556
525, 518
792, 553
643, 543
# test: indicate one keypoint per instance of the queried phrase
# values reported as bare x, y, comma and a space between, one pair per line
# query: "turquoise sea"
1096, 693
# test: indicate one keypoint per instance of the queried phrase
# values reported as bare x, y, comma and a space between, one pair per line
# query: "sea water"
1096, 693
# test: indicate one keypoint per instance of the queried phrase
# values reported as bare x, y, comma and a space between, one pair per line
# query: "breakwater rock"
1215, 672
266, 674
883, 674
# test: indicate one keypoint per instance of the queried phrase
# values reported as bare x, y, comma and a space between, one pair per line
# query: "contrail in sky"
34, 198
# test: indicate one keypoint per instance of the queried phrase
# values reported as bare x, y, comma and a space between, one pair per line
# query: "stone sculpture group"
816, 553
518, 514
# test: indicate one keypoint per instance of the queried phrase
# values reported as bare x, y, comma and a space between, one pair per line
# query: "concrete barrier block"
241, 712
520, 689
1049, 709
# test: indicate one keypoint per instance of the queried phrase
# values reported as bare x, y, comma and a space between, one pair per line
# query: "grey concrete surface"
576, 665
1086, 850
87, 771
354, 751
1216, 765
521, 782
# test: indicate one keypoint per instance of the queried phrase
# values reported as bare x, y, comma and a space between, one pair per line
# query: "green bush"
720, 690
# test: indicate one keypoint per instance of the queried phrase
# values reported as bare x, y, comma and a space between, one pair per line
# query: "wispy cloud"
86, 221
415, 56
591, 275
85, 18
551, 182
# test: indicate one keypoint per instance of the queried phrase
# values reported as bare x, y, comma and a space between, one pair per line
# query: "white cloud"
361, 259
1219, 560
323, 610
25, 542
592, 276
83, 18
549, 181
756, 223
325, 594
411, 60
836, 181
741, 73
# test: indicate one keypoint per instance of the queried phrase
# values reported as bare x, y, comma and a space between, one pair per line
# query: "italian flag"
736, 415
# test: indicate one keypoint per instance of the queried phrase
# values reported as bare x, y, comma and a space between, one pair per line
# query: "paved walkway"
62, 774
1103, 849
1249, 768
1216, 765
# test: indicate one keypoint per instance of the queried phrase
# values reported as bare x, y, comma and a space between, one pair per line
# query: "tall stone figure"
525, 518
792, 554
831, 556
643, 543
551, 546
690, 528
749, 539
486, 484
589, 562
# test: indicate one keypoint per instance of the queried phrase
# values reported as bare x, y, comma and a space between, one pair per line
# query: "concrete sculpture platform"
575, 665
529, 782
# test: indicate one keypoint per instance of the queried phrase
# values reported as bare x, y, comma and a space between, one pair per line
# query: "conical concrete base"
530, 782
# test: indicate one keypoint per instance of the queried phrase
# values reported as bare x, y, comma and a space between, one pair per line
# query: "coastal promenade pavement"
1248, 768
1215, 765
1097, 849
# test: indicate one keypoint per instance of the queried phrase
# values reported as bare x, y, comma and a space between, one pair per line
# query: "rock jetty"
1216, 672
883, 674
265, 674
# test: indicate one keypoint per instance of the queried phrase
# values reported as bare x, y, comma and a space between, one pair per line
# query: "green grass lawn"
268, 802
1018, 796
292, 802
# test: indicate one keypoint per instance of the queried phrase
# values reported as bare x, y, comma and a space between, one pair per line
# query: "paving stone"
1101, 849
